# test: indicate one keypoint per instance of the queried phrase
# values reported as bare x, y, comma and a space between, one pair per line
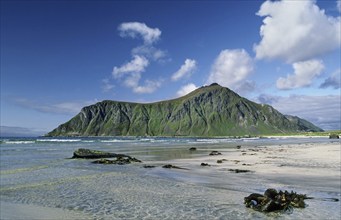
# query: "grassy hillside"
208, 111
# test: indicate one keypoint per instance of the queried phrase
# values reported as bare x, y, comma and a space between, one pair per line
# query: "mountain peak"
215, 84
207, 111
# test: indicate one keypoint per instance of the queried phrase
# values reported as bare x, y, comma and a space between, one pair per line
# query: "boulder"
148, 166
239, 171
193, 149
170, 166
214, 153
205, 165
92, 154
118, 160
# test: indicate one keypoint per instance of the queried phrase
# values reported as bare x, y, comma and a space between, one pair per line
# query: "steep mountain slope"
208, 111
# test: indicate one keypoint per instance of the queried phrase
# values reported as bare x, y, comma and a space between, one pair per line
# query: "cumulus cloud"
296, 31
230, 68
304, 73
186, 69
135, 29
333, 81
323, 111
150, 52
186, 89
149, 87
131, 72
133, 81
137, 65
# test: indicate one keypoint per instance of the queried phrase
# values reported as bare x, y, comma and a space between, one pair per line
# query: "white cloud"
149, 87
304, 73
296, 31
136, 65
323, 111
132, 80
186, 69
131, 72
150, 52
333, 81
106, 85
186, 89
230, 68
133, 29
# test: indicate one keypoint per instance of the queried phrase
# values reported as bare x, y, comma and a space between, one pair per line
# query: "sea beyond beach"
39, 181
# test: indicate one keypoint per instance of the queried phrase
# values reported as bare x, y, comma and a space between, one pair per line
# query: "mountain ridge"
207, 111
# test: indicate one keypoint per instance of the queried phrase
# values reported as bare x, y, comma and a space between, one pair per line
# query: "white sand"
312, 159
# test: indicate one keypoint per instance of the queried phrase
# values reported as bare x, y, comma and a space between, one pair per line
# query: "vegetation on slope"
208, 111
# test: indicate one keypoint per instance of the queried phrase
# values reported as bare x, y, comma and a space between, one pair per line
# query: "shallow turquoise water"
37, 171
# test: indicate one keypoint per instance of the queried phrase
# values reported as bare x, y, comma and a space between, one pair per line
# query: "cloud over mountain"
130, 73
186, 89
304, 73
137, 65
231, 68
296, 31
186, 69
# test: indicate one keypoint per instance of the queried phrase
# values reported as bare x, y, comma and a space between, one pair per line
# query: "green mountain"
208, 111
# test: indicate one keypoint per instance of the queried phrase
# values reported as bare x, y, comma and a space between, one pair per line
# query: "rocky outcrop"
240, 171
334, 136
91, 154
208, 111
170, 166
82, 153
119, 160
214, 153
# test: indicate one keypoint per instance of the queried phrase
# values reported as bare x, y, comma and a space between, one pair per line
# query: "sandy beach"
79, 190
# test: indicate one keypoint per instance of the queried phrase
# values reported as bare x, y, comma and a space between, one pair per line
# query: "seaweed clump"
273, 201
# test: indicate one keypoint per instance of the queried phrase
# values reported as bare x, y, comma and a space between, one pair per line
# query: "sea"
38, 171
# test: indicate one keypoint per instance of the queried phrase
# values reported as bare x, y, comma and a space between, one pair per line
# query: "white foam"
19, 142
116, 141
58, 140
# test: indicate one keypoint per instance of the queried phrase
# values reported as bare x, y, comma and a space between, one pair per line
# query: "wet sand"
14, 211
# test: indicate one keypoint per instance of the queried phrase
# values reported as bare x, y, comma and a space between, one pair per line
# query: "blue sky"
58, 56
